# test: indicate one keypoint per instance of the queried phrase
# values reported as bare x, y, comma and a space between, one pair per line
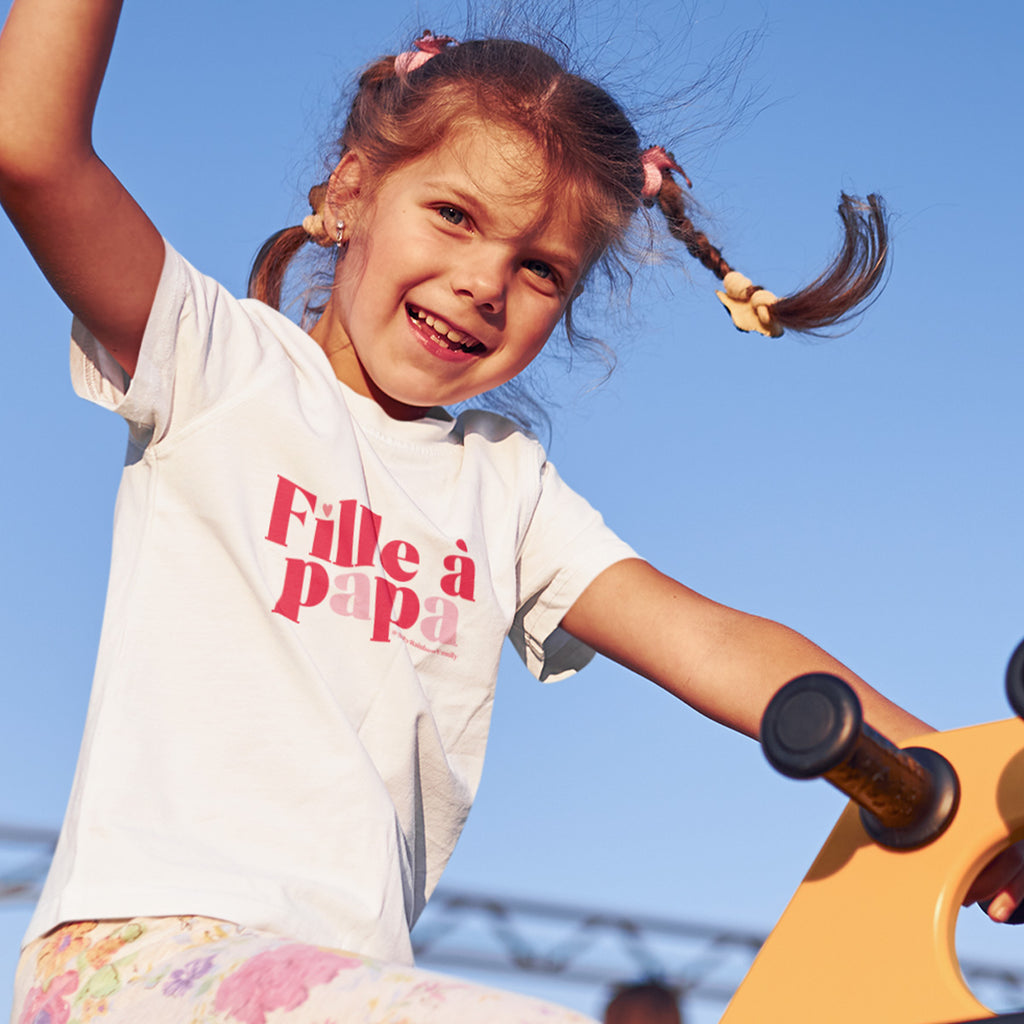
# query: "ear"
343, 191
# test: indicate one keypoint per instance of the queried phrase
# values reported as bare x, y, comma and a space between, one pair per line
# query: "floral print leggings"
196, 970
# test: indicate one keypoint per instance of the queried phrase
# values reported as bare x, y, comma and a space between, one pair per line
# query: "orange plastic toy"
869, 935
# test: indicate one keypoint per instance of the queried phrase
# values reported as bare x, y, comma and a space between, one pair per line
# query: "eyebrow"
450, 186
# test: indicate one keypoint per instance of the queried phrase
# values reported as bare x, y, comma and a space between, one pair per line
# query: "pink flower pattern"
210, 972
49, 1005
279, 979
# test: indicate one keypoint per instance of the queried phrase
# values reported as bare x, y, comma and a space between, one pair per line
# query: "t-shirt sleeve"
184, 366
567, 545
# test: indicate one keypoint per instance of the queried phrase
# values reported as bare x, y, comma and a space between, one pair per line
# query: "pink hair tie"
428, 45
655, 161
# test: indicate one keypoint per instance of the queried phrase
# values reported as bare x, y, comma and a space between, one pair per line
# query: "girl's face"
455, 274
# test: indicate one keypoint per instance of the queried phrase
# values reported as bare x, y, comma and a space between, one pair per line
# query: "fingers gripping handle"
814, 727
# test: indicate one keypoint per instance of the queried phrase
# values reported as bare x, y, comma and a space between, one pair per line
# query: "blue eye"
540, 268
452, 214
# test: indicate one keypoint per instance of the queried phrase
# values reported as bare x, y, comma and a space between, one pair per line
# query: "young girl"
314, 564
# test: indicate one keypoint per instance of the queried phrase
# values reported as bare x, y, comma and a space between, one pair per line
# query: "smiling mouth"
445, 334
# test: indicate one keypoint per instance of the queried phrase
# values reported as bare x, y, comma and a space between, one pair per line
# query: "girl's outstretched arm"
728, 665
93, 242
723, 662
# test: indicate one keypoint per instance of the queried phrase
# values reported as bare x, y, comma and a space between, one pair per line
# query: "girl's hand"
95, 245
1000, 886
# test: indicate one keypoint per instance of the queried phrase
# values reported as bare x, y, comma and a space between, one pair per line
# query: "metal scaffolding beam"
25, 854
583, 945
472, 931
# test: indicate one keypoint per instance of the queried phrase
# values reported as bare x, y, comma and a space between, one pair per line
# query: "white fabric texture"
305, 614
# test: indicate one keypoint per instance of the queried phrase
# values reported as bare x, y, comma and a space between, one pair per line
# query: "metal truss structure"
25, 854
701, 961
582, 945
504, 935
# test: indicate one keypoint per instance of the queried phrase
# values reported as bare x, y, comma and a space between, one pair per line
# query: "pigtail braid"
841, 292
672, 203
832, 298
266, 279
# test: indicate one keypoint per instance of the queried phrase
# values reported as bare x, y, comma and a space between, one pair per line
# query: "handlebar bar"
814, 727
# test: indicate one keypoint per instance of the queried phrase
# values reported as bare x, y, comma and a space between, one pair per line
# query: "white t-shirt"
306, 608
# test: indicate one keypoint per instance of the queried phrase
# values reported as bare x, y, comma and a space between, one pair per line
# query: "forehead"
506, 163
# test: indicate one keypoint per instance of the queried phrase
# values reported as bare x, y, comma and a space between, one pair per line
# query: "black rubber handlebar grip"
1015, 680
813, 727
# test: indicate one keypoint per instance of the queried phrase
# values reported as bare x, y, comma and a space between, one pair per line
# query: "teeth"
439, 327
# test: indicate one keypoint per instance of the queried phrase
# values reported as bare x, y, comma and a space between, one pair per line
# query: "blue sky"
865, 490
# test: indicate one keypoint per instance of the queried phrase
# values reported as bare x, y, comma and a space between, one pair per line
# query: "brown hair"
589, 147
835, 295
647, 1002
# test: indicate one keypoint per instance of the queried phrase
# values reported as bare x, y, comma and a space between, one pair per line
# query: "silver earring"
340, 241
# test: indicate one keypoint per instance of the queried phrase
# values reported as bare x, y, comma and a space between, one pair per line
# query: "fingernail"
1001, 908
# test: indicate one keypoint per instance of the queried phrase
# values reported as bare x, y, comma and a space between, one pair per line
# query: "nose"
483, 279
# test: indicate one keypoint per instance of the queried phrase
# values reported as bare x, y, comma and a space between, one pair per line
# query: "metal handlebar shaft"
814, 727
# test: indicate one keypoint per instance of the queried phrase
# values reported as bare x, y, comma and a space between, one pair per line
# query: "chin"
426, 398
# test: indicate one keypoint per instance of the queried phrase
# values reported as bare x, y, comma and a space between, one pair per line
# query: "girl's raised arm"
93, 242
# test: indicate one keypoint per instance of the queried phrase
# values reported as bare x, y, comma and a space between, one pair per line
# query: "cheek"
352, 280
352, 264
530, 351
545, 324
